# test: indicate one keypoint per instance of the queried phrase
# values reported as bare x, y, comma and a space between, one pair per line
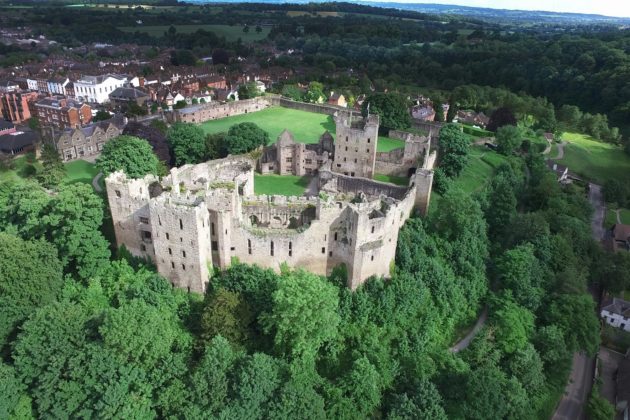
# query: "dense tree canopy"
391, 108
453, 150
245, 137
188, 143
132, 155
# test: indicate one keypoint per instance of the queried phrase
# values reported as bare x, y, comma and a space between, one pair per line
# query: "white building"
617, 314
57, 86
97, 88
32, 84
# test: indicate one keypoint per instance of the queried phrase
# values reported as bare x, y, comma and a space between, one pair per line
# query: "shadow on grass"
329, 124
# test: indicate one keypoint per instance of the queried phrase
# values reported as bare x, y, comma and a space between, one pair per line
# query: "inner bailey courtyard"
205, 215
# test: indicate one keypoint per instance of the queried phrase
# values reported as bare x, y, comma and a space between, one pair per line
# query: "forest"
108, 337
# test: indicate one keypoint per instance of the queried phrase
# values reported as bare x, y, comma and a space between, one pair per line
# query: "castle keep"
202, 216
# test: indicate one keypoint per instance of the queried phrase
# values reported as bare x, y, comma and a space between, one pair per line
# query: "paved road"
572, 405
560, 150
465, 342
609, 361
597, 201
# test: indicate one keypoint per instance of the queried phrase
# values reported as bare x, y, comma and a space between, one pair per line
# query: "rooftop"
619, 307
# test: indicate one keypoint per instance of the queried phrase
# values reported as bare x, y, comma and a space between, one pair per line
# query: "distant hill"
474, 12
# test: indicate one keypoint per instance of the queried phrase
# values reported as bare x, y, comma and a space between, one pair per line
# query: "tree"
247, 91
53, 170
30, 277
188, 143
509, 138
518, 270
292, 92
245, 137
499, 118
392, 109
216, 147
453, 150
14, 401
422, 402
304, 314
598, 408
132, 155
514, 323
33, 123
183, 58
155, 134
101, 115
315, 93
225, 313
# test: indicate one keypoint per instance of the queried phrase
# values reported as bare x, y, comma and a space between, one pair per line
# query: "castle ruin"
203, 216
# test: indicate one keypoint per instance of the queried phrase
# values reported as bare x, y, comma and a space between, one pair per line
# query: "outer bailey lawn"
306, 127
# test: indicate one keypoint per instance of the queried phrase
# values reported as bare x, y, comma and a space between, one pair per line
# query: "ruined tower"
355, 144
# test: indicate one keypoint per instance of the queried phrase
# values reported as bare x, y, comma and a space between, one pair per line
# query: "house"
260, 86
76, 143
472, 118
225, 95
123, 96
97, 88
18, 142
14, 105
32, 84
62, 113
423, 113
561, 171
6, 127
57, 86
617, 314
337, 99
618, 238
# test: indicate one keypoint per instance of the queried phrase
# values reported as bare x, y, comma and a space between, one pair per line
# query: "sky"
620, 8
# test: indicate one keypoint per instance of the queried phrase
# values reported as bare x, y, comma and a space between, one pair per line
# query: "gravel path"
95, 184
465, 342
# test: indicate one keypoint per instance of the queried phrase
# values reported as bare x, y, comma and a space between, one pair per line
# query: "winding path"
465, 342
95, 182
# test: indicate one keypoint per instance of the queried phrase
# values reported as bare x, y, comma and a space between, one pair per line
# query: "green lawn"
21, 169
594, 160
611, 217
280, 184
231, 33
481, 166
398, 180
306, 127
80, 171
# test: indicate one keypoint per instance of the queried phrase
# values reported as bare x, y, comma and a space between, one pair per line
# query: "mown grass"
398, 180
306, 127
280, 184
595, 160
231, 33
80, 171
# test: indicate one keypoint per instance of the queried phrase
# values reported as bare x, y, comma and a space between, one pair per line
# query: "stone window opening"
212, 229
170, 251
368, 139
372, 259
272, 248
330, 253
335, 236
355, 160
346, 138
167, 236
372, 229
172, 264
144, 220
368, 150
184, 267
214, 246
249, 246
143, 247
118, 194
183, 253
181, 224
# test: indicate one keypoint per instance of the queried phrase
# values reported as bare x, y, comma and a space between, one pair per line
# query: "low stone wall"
303, 106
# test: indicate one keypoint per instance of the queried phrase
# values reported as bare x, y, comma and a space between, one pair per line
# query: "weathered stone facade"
215, 110
77, 143
355, 144
288, 157
204, 215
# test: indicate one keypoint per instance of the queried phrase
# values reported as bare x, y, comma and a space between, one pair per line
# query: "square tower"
355, 144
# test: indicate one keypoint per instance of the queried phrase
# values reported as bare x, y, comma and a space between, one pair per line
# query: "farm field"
595, 160
231, 33
280, 184
306, 127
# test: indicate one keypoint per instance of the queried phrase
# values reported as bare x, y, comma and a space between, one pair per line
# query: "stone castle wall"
215, 110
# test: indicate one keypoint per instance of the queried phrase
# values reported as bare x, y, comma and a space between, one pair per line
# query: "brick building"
14, 105
61, 112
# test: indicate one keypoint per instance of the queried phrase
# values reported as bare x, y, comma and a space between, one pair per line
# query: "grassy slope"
307, 127
481, 165
595, 160
280, 184
80, 171
231, 33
